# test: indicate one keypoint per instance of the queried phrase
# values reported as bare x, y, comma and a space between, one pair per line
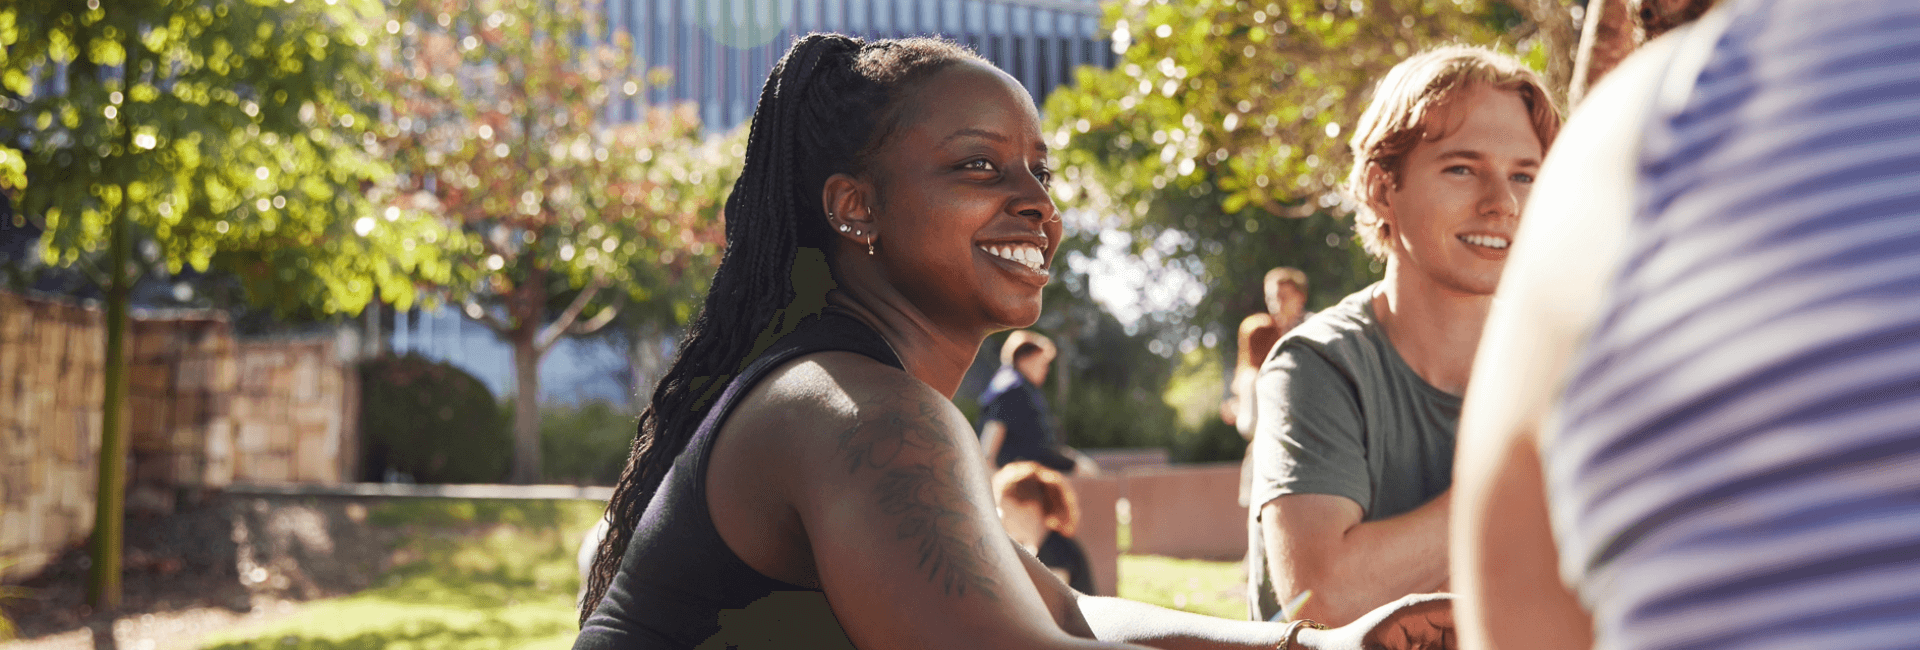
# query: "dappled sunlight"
472, 574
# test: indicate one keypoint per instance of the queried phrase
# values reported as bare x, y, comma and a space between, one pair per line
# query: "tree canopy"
1220, 136
235, 134
505, 120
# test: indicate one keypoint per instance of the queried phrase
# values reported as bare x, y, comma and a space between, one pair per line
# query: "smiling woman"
801, 477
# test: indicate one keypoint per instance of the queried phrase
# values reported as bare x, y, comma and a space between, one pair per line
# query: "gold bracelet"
1286, 638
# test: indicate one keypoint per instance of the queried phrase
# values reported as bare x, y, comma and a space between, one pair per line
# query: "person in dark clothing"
801, 478
1015, 424
1041, 513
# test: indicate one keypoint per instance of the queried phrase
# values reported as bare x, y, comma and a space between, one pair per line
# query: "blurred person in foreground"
1695, 421
1041, 513
1015, 423
801, 477
1355, 409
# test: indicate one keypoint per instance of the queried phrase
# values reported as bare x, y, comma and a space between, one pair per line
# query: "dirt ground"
217, 562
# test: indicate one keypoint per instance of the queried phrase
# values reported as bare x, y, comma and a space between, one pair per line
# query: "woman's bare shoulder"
818, 396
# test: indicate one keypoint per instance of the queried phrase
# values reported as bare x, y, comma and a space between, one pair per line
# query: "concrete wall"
204, 411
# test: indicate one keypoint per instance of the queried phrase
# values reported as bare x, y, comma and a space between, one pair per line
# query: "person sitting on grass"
1041, 513
801, 477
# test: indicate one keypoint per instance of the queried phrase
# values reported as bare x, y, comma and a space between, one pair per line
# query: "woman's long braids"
826, 106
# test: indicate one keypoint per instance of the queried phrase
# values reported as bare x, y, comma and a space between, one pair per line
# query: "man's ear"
849, 204
1374, 191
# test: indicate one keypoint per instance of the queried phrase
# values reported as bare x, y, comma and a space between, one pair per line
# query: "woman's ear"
849, 204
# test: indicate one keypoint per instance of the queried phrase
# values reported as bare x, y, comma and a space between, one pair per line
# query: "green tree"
502, 123
1220, 135
231, 134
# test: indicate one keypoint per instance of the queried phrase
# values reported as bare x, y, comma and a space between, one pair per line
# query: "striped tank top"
1736, 462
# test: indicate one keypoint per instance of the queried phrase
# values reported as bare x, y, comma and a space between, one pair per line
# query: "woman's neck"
933, 355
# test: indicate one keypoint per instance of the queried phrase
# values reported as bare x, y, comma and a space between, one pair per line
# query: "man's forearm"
1368, 565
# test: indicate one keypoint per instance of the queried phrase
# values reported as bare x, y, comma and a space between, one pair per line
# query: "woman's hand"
1418, 622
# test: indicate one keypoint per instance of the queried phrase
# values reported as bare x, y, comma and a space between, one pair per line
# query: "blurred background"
345, 244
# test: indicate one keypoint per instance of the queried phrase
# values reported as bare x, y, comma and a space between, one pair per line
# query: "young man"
1285, 290
1015, 423
1356, 408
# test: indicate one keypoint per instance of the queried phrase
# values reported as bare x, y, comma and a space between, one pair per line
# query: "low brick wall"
1187, 511
1184, 511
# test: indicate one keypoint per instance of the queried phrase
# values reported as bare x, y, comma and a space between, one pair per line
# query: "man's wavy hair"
1398, 119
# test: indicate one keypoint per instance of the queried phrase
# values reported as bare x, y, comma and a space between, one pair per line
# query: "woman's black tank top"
679, 584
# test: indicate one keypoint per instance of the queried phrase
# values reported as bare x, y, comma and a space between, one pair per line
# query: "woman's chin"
1021, 315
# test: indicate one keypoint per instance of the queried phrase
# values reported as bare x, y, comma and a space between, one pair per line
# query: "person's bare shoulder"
802, 405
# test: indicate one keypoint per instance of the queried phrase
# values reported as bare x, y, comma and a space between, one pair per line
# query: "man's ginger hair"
1414, 91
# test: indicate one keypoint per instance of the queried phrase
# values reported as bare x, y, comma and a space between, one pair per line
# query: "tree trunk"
1606, 40
648, 364
103, 575
526, 405
375, 345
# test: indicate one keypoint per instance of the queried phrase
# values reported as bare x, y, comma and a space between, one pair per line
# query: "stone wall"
50, 391
204, 410
295, 415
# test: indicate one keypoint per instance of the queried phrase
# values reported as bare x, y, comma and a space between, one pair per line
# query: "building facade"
720, 51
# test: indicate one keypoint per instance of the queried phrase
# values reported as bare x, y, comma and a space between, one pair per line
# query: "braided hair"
827, 106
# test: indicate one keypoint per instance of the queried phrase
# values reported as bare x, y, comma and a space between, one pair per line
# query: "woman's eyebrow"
978, 133
1038, 145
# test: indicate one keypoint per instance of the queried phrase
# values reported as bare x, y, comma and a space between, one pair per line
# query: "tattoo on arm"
929, 498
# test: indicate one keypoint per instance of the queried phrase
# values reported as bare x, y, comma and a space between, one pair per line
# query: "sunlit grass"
501, 575
472, 574
1212, 588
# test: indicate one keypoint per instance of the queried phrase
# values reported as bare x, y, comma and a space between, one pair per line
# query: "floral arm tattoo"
929, 498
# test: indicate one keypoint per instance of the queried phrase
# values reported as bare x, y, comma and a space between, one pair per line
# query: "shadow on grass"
428, 634
465, 574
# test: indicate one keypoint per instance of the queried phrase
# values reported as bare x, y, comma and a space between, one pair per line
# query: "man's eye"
1458, 170
1523, 178
980, 164
1045, 175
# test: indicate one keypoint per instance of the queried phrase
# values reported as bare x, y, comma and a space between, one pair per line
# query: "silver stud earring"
844, 227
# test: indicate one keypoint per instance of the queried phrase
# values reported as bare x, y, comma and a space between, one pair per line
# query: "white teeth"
1486, 240
1026, 255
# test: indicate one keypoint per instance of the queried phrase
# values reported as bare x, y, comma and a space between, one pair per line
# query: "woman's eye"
1523, 178
980, 164
1045, 175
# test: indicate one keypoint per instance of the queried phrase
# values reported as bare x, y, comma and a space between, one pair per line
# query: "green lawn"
1212, 588
478, 574
501, 574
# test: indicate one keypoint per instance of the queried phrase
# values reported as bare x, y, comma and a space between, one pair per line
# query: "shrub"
432, 421
585, 444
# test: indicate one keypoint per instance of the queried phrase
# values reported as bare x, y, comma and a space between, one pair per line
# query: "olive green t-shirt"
1337, 411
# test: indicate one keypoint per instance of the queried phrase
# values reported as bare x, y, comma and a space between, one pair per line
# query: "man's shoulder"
1255, 323
1344, 333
